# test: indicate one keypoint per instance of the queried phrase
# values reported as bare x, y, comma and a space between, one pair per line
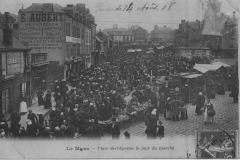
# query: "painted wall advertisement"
42, 31
13, 62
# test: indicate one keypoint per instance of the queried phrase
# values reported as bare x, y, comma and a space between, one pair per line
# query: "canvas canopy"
131, 51
192, 76
150, 52
203, 68
160, 47
221, 63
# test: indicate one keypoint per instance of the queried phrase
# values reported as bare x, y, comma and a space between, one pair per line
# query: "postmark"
216, 144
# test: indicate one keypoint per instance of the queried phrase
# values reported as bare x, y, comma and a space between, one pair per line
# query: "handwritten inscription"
102, 7
120, 148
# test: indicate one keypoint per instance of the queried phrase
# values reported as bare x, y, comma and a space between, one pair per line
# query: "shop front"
68, 68
88, 61
13, 89
81, 64
14, 80
38, 73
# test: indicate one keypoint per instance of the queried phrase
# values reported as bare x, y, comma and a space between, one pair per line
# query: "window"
68, 29
82, 34
23, 89
25, 56
89, 37
79, 32
78, 49
5, 101
74, 31
216, 41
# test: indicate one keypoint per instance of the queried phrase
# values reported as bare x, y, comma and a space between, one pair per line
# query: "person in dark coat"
115, 129
40, 97
175, 104
235, 92
15, 119
151, 130
186, 92
40, 118
32, 116
47, 99
167, 108
31, 129
53, 114
200, 101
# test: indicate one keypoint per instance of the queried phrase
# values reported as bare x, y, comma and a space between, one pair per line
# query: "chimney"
234, 15
155, 27
80, 8
183, 22
100, 30
87, 11
70, 10
7, 31
180, 26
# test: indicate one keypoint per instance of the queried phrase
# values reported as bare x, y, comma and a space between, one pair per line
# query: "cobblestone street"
226, 118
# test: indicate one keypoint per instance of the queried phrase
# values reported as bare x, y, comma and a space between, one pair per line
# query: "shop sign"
13, 62
73, 39
39, 57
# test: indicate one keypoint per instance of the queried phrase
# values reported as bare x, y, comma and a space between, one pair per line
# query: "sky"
163, 13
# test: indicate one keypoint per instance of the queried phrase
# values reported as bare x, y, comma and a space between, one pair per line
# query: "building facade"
230, 38
107, 45
189, 35
61, 33
140, 35
15, 71
120, 36
162, 35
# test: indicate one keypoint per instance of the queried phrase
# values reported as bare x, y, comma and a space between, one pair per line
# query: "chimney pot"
234, 15
7, 31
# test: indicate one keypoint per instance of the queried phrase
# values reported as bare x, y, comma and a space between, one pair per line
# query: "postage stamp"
217, 144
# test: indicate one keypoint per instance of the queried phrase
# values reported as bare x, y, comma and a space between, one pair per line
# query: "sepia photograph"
97, 79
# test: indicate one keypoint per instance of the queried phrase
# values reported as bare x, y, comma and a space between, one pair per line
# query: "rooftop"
118, 31
15, 43
44, 7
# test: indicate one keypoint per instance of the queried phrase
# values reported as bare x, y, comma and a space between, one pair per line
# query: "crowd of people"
95, 104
